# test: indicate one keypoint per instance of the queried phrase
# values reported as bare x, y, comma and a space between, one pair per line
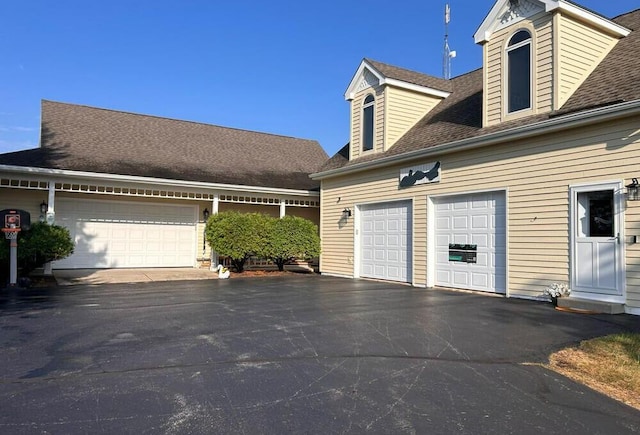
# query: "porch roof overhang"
135, 186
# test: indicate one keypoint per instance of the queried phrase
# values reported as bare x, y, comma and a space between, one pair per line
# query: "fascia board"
96, 176
350, 92
417, 88
483, 33
527, 131
588, 16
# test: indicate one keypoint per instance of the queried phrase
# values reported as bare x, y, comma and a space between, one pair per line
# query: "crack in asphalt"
68, 376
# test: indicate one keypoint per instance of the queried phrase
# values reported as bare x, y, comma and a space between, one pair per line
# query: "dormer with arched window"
386, 101
536, 53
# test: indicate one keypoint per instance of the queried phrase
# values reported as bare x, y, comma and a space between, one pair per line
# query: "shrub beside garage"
241, 235
38, 245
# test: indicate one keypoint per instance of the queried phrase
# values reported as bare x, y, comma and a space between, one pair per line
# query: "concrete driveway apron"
294, 354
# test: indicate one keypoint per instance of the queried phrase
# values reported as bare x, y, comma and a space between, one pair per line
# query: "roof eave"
384, 80
104, 177
523, 132
416, 88
592, 18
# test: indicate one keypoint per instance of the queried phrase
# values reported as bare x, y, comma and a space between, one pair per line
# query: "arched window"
519, 72
368, 113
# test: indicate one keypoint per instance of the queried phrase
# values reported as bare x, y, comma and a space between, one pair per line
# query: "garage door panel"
393, 241
479, 220
443, 223
481, 240
482, 259
460, 239
389, 227
117, 234
394, 273
460, 222
461, 279
480, 280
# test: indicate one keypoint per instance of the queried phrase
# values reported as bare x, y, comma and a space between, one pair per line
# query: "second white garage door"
111, 234
385, 241
471, 242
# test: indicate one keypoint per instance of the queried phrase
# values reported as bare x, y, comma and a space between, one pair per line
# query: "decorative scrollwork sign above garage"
421, 174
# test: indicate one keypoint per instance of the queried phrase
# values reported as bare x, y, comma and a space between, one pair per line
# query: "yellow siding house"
502, 180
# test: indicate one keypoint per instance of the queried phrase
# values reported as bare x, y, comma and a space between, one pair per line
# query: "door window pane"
595, 214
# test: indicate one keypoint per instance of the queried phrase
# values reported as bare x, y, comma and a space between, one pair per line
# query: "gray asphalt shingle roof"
459, 116
82, 138
409, 76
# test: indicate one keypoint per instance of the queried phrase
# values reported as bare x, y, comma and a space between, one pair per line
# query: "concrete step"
591, 305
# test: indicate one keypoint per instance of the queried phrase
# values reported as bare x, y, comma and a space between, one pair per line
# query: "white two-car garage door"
385, 241
111, 234
471, 242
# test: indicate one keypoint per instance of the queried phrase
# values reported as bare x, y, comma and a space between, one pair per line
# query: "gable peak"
517, 10
507, 12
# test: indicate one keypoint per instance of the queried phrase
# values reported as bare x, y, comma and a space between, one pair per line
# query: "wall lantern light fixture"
633, 190
346, 213
206, 214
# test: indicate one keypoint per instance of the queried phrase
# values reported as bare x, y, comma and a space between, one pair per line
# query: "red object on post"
14, 221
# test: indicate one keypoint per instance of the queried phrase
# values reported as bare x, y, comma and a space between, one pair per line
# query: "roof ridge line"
177, 120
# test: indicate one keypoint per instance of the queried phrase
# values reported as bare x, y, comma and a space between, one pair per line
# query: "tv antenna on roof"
448, 54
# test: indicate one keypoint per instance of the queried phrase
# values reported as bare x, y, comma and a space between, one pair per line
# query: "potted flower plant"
557, 290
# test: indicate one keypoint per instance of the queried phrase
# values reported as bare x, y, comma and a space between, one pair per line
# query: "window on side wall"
368, 114
519, 72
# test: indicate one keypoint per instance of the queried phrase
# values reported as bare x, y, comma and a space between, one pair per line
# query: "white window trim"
505, 79
373, 124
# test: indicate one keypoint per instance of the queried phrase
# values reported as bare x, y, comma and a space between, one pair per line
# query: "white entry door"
385, 241
597, 244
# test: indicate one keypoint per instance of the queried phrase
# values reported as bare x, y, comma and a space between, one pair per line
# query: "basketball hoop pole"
12, 235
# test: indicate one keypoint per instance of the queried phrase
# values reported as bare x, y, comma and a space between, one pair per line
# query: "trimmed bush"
291, 238
237, 235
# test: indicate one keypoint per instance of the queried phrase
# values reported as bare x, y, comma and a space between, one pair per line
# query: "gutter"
517, 133
47, 172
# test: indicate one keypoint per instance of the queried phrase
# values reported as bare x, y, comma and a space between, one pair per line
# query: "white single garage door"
385, 241
111, 234
471, 242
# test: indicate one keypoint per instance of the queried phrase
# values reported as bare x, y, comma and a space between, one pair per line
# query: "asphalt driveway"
297, 354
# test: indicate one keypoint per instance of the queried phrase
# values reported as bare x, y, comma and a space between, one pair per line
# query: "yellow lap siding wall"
536, 175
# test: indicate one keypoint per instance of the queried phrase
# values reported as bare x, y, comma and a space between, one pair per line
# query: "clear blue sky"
275, 66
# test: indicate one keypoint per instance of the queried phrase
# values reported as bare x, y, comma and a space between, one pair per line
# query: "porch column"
283, 208
215, 204
214, 210
50, 218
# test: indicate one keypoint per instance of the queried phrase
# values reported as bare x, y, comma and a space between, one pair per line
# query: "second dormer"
386, 101
536, 53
